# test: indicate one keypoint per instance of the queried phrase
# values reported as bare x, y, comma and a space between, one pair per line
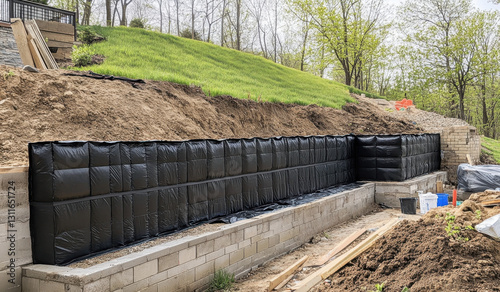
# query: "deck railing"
31, 10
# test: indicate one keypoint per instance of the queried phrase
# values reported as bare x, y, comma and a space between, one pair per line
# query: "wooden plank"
14, 169
57, 44
469, 160
287, 272
439, 187
282, 284
330, 268
491, 202
58, 37
36, 54
343, 244
34, 32
22, 41
56, 27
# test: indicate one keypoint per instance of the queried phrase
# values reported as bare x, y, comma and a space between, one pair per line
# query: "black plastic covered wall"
87, 197
396, 157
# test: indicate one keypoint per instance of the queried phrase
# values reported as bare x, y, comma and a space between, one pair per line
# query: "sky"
481, 4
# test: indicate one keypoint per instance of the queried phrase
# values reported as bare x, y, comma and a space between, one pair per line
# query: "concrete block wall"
15, 240
9, 54
456, 143
188, 264
390, 192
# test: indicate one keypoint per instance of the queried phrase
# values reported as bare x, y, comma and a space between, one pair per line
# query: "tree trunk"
192, 19
161, 16
238, 25
86, 12
222, 23
177, 17
123, 21
303, 53
108, 12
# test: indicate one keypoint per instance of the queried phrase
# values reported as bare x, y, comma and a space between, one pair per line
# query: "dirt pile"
487, 195
429, 121
49, 106
422, 256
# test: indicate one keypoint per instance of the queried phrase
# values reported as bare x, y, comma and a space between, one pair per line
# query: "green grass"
138, 53
492, 147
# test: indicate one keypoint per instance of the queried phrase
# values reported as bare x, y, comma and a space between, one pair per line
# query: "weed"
405, 289
478, 214
222, 281
8, 75
326, 235
379, 287
453, 230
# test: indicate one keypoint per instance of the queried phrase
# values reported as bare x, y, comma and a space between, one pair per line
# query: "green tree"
350, 29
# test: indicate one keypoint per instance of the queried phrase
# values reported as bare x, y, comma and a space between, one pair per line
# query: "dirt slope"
422, 256
50, 106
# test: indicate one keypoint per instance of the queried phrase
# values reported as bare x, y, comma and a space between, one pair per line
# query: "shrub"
82, 56
137, 22
186, 33
86, 35
222, 281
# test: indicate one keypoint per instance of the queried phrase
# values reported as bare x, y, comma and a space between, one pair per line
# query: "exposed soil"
49, 106
422, 256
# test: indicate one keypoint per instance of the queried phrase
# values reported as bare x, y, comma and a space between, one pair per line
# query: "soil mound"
50, 106
422, 256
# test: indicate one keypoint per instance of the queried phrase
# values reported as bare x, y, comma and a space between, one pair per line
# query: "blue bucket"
442, 200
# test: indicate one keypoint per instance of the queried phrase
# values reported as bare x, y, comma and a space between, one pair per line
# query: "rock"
29, 68
68, 94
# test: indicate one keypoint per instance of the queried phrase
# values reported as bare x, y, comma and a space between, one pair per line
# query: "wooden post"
439, 187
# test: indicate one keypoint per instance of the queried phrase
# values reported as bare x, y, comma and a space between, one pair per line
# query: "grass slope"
492, 147
137, 53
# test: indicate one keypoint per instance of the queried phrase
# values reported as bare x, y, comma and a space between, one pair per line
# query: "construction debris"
31, 45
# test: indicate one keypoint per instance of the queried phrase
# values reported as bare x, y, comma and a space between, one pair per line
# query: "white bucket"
427, 202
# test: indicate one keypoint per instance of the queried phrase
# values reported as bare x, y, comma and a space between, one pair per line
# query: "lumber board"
491, 202
57, 27
469, 160
34, 32
58, 44
37, 58
282, 284
14, 169
57, 37
22, 41
330, 268
286, 273
439, 187
339, 247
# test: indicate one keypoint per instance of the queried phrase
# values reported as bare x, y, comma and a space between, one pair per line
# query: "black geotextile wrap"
90, 197
478, 178
397, 157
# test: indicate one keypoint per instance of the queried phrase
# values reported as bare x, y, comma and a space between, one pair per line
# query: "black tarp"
87, 197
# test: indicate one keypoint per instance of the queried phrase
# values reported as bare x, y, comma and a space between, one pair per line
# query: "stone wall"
15, 241
188, 264
9, 55
456, 143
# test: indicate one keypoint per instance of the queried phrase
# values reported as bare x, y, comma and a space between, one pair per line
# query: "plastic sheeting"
396, 157
87, 197
478, 178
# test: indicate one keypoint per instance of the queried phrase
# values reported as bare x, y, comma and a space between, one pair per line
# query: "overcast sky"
481, 4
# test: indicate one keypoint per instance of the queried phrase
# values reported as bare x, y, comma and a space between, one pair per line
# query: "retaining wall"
390, 192
124, 192
456, 143
188, 264
15, 241
9, 54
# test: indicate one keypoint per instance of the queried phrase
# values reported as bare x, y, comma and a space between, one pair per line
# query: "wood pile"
32, 45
